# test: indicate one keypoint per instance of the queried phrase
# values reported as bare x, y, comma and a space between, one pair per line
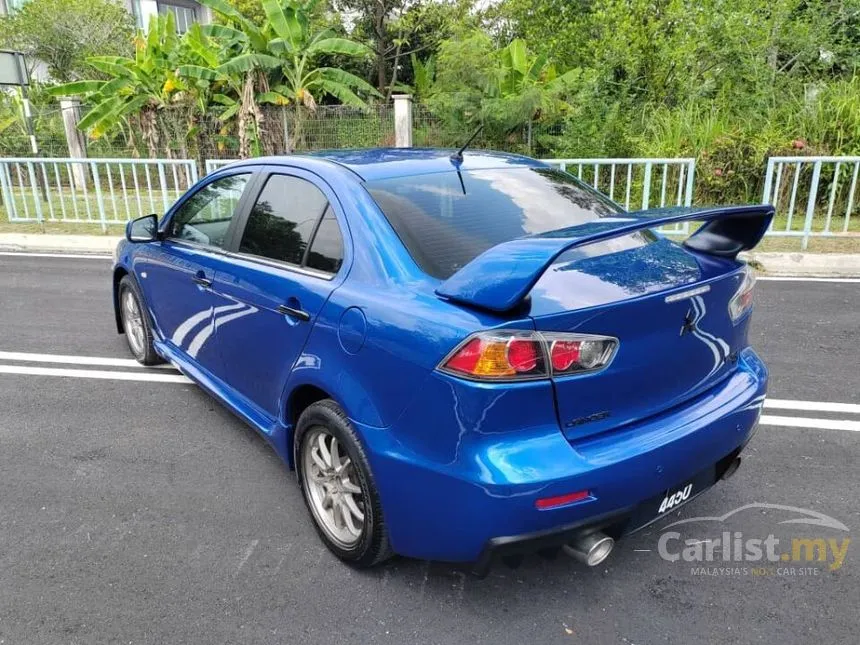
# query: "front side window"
292, 222
205, 217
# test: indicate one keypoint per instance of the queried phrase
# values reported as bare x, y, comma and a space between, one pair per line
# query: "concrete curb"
807, 265
812, 265
39, 243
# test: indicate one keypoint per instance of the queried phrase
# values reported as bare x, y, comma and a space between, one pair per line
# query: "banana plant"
136, 89
529, 84
274, 64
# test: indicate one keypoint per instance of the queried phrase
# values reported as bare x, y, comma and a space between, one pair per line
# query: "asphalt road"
143, 512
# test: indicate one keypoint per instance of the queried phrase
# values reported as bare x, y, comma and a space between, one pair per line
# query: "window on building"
184, 13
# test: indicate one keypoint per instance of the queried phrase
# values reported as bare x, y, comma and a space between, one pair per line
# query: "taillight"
525, 355
498, 355
573, 353
741, 302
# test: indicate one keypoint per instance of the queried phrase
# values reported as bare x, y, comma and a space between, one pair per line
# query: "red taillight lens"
466, 358
503, 355
521, 355
564, 353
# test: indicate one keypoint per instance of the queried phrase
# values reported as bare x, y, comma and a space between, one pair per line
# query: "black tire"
373, 546
146, 354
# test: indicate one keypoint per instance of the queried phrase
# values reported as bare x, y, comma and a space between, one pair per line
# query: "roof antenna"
457, 157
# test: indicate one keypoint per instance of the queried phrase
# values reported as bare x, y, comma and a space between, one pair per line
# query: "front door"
286, 264
177, 273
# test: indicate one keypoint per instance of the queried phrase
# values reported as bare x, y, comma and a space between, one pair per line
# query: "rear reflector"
562, 500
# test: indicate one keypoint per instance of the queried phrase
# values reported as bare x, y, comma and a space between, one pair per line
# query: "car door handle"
295, 313
202, 280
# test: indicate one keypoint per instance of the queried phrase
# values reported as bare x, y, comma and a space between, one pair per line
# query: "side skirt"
272, 430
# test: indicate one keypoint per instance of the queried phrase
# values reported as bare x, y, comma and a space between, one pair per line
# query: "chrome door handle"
202, 280
295, 313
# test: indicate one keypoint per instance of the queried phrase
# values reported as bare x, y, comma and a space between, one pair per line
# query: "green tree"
64, 33
278, 62
137, 88
504, 89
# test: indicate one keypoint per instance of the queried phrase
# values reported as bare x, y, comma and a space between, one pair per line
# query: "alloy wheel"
133, 322
335, 496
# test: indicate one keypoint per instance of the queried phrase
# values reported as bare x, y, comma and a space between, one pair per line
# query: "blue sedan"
465, 356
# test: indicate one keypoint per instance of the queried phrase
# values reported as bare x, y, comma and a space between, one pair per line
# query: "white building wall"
147, 9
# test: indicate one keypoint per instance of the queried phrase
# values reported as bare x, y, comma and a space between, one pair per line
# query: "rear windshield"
447, 219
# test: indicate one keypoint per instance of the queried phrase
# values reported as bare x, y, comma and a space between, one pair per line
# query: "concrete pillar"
402, 120
71, 109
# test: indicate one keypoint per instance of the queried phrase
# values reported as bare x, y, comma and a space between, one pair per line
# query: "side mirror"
142, 229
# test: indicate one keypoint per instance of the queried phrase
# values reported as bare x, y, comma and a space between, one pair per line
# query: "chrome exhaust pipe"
732, 469
591, 548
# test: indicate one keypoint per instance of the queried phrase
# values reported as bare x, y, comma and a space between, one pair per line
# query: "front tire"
135, 322
338, 486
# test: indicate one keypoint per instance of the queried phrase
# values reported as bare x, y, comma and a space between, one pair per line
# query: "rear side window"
284, 219
326, 253
447, 219
293, 222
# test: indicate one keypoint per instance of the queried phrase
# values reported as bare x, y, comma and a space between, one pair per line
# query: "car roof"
385, 163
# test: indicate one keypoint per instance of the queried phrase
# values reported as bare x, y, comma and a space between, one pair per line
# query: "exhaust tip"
732, 468
591, 549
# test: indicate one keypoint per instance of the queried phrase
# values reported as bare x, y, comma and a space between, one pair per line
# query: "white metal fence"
635, 183
211, 165
812, 196
94, 191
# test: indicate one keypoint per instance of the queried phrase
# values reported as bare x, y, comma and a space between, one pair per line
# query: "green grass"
79, 206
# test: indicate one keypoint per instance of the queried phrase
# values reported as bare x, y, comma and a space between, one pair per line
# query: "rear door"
285, 261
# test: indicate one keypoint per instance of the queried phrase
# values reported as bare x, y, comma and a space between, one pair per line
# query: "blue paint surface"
460, 462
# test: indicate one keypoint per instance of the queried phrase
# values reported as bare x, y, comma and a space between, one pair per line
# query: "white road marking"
800, 279
97, 374
28, 357
151, 376
803, 422
812, 406
73, 256
248, 552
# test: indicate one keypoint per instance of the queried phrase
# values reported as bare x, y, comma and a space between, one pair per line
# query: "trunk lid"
668, 308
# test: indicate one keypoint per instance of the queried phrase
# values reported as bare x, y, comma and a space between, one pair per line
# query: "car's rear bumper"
479, 501
616, 524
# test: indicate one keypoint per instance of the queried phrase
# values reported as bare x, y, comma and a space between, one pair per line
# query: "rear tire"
136, 323
338, 486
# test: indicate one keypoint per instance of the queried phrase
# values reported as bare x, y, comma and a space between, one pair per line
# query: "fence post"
31, 173
810, 205
402, 120
768, 182
71, 109
8, 196
691, 179
98, 186
646, 188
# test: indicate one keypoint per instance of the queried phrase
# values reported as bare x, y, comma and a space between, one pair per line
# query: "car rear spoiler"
501, 277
